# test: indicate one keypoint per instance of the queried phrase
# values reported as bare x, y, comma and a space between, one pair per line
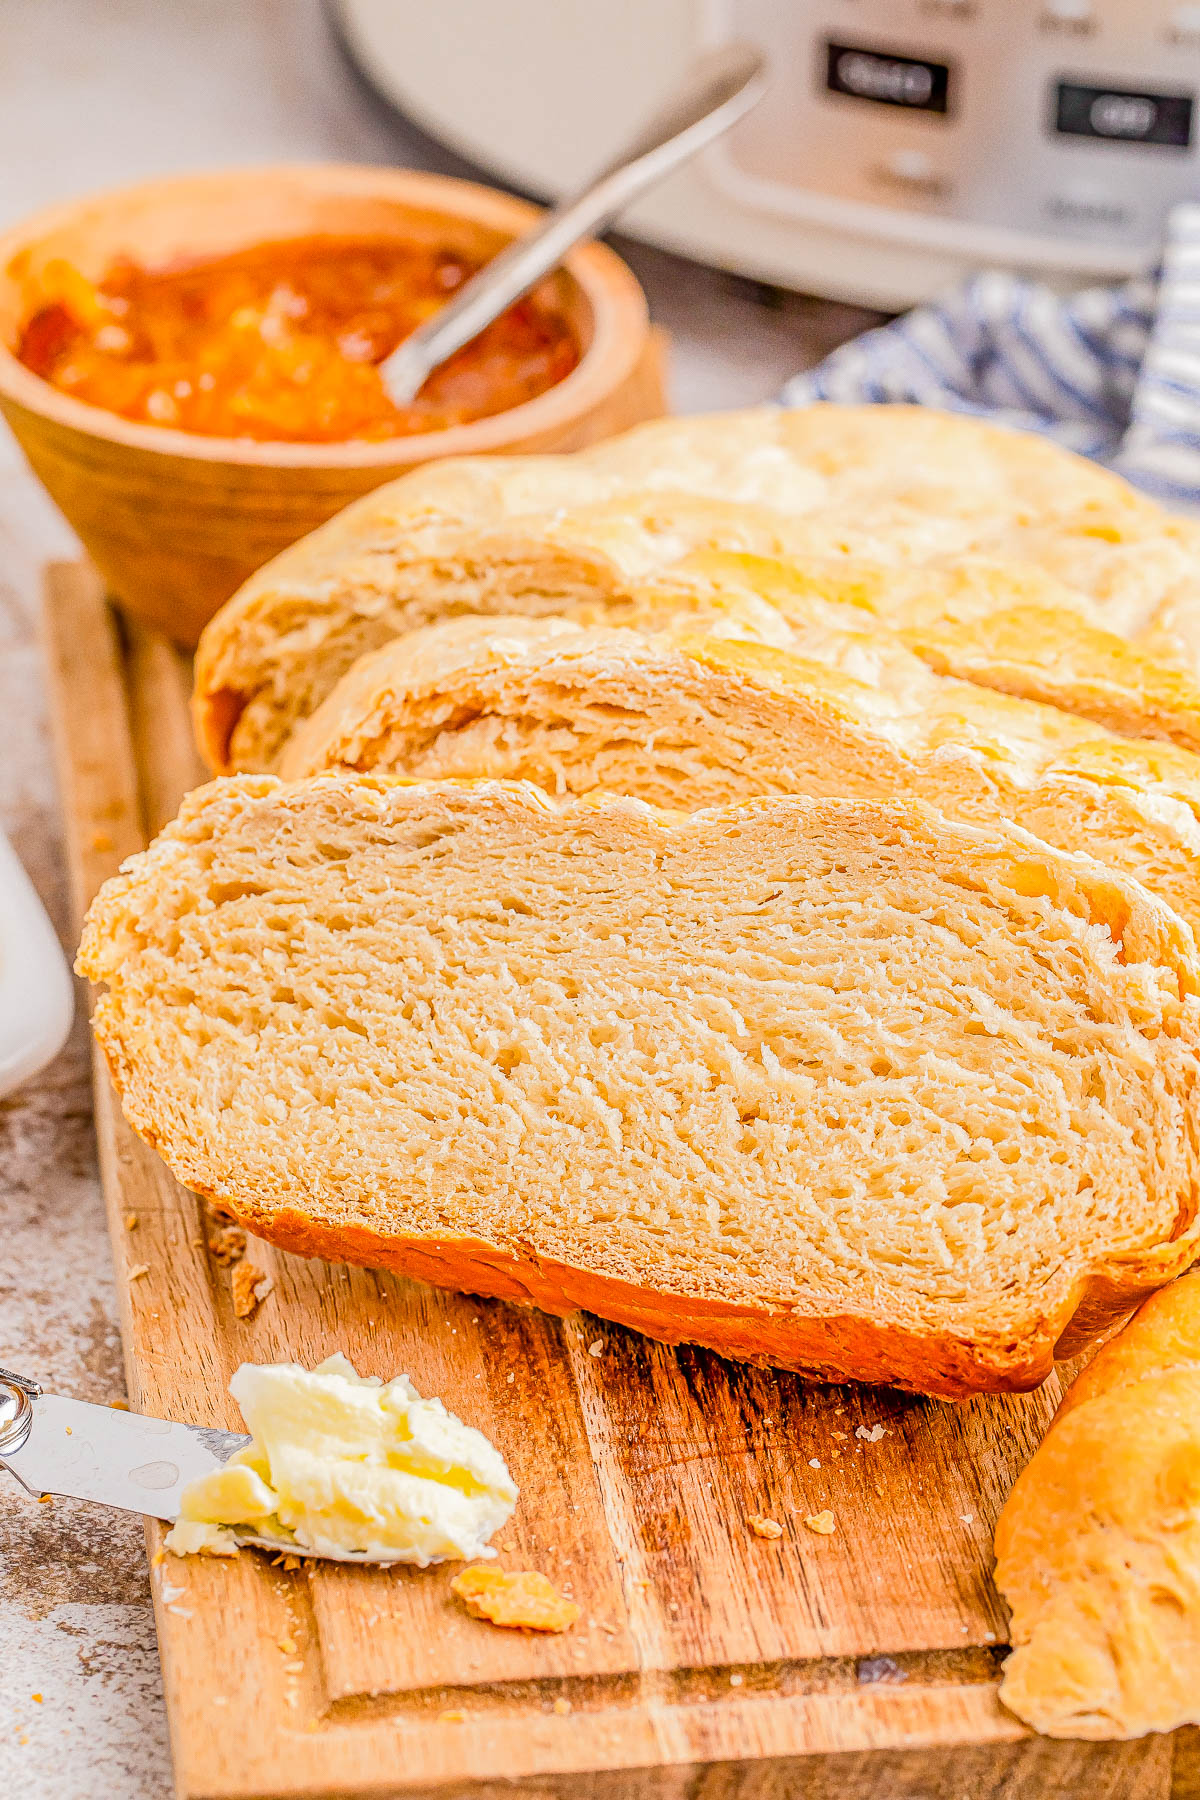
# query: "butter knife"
53, 1445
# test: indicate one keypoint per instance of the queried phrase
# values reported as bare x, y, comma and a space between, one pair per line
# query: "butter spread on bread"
832, 1084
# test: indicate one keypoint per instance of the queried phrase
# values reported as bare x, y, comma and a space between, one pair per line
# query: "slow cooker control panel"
1048, 120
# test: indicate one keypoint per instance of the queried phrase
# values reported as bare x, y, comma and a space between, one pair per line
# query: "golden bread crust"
990, 521
1098, 1546
705, 721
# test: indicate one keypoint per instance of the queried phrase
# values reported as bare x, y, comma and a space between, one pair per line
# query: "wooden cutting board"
709, 1663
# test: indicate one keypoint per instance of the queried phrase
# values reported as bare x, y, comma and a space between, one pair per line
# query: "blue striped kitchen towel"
1112, 372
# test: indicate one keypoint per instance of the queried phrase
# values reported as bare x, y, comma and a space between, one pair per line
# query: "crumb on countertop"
522, 1598
823, 1523
765, 1528
227, 1244
250, 1286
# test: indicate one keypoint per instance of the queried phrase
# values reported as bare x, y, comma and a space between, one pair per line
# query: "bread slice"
702, 722
900, 489
831, 1084
1002, 626
1098, 1546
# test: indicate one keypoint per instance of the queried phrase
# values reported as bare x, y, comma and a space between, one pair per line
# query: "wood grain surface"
709, 1663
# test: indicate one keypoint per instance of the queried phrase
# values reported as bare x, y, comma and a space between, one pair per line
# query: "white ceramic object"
37, 1001
858, 185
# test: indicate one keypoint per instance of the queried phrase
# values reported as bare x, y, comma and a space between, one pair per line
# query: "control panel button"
910, 165
886, 79
913, 170
1075, 16
1118, 115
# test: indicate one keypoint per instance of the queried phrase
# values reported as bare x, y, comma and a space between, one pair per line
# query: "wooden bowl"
174, 521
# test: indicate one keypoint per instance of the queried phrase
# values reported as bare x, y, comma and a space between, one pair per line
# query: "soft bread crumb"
600, 1043
250, 1286
139, 1271
766, 1528
515, 1597
823, 1522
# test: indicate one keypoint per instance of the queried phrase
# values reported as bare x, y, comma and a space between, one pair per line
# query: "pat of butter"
342, 1464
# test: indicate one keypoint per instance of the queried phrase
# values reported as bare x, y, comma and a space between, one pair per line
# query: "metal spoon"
718, 88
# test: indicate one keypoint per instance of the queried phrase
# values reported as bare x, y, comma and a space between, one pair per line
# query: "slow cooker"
902, 143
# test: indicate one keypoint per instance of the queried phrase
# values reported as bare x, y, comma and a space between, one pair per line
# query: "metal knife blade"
117, 1458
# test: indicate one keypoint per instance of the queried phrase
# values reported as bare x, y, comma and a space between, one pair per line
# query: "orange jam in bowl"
281, 343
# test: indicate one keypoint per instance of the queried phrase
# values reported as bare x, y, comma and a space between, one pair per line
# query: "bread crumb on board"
227, 1244
250, 1286
139, 1271
823, 1523
765, 1528
522, 1598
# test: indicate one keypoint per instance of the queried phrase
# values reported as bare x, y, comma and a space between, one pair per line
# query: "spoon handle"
718, 88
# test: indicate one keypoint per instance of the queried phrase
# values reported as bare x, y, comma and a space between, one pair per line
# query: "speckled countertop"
92, 95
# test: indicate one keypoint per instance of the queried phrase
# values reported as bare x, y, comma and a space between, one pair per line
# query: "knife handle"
17, 1395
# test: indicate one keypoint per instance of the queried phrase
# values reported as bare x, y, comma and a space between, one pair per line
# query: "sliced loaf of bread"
837, 1085
893, 489
1002, 626
701, 722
